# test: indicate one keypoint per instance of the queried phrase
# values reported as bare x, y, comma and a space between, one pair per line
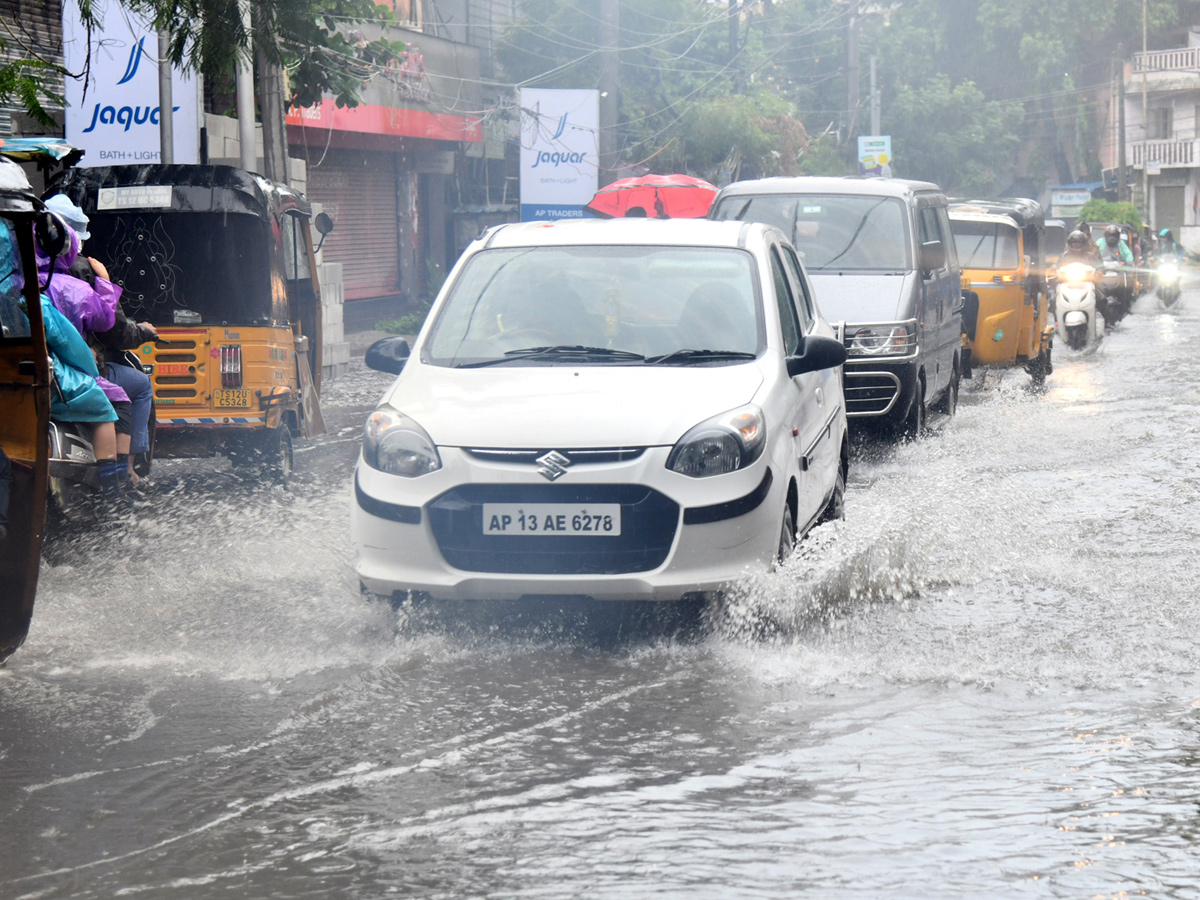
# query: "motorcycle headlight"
724, 443
1075, 272
1168, 272
394, 443
882, 340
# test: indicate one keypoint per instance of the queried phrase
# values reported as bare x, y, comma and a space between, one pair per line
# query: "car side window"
804, 305
943, 218
788, 320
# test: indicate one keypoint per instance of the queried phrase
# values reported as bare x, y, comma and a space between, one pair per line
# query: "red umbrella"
657, 196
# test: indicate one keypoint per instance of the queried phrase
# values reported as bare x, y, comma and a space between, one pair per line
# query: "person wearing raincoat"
90, 310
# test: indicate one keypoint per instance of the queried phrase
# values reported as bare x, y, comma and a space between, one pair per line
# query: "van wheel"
914, 422
948, 404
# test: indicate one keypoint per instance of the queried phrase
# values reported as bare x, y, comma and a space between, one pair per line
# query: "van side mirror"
388, 355
818, 352
324, 223
933, 256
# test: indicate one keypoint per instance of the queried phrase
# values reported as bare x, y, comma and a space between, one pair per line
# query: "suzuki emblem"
553, 465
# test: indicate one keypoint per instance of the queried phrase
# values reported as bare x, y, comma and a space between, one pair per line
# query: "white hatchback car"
624, 410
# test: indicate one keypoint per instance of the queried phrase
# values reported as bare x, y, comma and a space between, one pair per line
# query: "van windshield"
604, 304
839, 232
986, 245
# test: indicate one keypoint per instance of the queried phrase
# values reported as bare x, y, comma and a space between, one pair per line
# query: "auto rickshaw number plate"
231, 398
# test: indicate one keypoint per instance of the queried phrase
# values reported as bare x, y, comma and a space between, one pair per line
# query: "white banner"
560, 134
117, 121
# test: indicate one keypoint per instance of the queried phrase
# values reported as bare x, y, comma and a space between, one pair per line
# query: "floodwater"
983, 683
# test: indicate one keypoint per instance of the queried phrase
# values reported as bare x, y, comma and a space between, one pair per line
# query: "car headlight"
394, 443
882, 340
724, 443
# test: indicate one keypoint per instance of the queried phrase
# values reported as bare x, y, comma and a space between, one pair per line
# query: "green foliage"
1104, 211
825, 157
409, 324
312, 39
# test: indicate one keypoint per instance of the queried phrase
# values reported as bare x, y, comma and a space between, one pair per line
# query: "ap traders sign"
114, 116
559, 152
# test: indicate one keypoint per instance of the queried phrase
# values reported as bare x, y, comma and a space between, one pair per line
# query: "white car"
620, 409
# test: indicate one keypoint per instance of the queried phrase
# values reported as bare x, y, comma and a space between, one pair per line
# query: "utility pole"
245, 96
1145, 128
852, 69
610, 61
166, 105
270, 101
1122, 184
734, 16
875, 112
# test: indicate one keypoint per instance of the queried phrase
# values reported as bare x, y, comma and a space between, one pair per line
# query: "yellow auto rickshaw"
25, 379
1006, 318
221, 262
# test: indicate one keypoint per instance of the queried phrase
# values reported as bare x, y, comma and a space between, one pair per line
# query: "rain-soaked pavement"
984, 683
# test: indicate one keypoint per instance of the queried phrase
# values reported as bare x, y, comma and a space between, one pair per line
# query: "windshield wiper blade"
691, 355
570, 351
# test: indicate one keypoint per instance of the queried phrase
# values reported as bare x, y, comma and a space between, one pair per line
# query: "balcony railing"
1184, 59
1168, 154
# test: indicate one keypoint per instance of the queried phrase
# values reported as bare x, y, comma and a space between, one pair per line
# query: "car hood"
569, 406
862, 298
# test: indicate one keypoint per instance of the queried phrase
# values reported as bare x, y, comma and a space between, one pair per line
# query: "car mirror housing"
820, 352
388, 355
933, 256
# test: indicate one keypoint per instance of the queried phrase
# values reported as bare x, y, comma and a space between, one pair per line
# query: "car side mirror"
324, 223
388, 355
933, 256
819, 352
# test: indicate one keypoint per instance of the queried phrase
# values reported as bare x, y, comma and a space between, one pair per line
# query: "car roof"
649, 232
811, 184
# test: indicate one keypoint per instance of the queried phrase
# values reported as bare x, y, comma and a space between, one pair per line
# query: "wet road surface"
983, 683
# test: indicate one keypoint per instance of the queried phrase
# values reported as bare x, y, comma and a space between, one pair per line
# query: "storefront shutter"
358, 189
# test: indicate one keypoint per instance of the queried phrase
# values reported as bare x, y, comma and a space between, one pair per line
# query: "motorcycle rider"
1167, 245
1079, 249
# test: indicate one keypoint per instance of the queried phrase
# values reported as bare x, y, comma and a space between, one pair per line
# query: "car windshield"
603, 305
986, 245
839, 232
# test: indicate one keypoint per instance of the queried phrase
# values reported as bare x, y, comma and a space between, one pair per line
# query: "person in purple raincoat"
90, 309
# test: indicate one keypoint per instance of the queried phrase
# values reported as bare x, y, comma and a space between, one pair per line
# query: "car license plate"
595, 519
231, 398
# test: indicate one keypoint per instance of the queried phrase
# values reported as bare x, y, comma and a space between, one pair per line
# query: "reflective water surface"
983, 683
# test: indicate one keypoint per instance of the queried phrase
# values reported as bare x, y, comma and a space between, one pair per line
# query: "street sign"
560, 134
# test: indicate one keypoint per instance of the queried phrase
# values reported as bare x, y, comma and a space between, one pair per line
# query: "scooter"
1079, 323
1168, 281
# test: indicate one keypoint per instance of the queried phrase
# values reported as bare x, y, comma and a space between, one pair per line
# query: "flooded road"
986, 682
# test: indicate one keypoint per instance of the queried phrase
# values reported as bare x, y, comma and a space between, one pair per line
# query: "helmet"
1166, 232
1077, 240
1112, 234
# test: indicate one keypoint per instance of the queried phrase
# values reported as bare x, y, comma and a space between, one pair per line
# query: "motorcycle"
1079, 323
1168, 281
1116, 293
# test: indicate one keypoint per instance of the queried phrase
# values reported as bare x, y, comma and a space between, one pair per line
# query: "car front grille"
871, 393
530, 457
648, 523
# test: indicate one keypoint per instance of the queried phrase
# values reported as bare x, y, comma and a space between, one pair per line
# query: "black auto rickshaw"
221, 262
25, 385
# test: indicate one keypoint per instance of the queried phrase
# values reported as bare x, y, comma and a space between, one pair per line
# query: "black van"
881, 257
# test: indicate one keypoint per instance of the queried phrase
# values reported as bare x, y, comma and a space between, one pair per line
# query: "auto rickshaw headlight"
394, 443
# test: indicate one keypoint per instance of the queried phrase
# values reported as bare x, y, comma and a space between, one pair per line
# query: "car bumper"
879, 391
680, 535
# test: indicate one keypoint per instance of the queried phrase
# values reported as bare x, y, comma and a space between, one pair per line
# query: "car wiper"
690, 355
558, 351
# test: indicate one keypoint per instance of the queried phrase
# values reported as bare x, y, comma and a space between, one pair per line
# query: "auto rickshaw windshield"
986, 245
187, 268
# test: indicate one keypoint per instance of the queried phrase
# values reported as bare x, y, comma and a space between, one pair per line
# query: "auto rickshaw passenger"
123, 335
